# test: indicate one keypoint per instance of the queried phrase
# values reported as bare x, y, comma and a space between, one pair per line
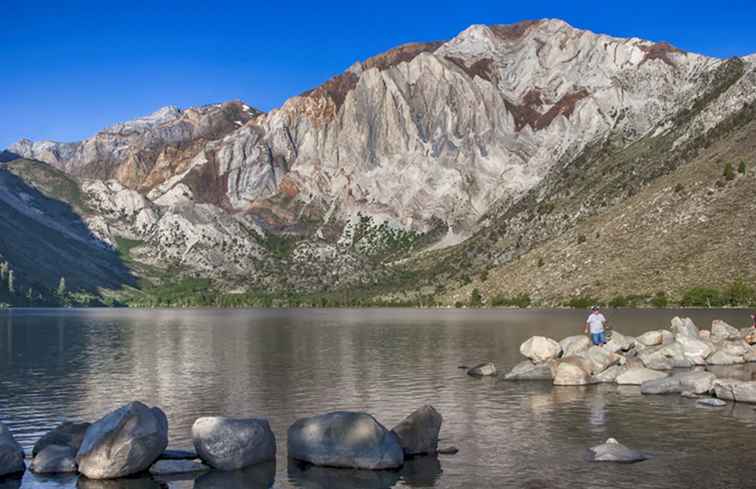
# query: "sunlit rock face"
425, 131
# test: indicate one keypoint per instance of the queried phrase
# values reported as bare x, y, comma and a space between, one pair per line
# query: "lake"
58, 365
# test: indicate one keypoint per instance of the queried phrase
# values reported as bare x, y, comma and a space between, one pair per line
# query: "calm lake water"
58, 365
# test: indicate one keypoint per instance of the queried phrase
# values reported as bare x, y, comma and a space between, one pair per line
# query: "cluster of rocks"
134, 439
652, 360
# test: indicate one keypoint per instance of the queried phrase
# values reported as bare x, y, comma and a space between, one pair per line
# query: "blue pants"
598, 338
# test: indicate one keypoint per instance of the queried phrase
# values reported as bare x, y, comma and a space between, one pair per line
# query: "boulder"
654, 357
609, 375
11, 453
750, 357
124, 442
54, 459
748, 335
684, 327
711, 402
572, 345
721, 357
735, 390
67, 434
704, 334
614, 451
695, 349
528, 370
170, 467
650, 338
540, 349
636, 376
483, 370
345, 439
698, 382
720, 329
418, 432
619, 342
231, 443
576, 360
568, 373
600, 358
735, 347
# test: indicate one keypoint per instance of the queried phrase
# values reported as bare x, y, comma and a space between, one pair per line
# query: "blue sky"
71, 68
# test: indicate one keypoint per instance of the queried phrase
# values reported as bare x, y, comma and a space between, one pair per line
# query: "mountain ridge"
424, 146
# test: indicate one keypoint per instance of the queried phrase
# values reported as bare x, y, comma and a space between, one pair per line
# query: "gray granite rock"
231, 443
418, 433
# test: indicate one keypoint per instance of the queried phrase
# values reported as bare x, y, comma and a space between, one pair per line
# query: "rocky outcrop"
232, 444
124, 442
11, 453
614, 451
418, 433
344, 439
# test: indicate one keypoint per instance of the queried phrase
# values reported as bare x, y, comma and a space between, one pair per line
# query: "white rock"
540, 349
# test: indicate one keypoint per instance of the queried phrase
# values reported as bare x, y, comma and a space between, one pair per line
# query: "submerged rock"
345, 439
483, 370
169, 467
126, 441
637, 376
11, 453
711, 402
418, 432
54, 459
231, 443
528, 370
540, 349
614, 451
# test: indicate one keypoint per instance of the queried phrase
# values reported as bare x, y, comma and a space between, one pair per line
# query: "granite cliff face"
428, 140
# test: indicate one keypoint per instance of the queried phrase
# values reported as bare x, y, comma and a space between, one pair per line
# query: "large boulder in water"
418, 432
540, 349
231, 444
483, 370
572, 345
54, 459
528, 370
684, 327
637, 376
600, 358
11, 453
650, 338
126, 441
66, 434
345, 439
570, 373
721, 357
735, 390
614, 451
722, 330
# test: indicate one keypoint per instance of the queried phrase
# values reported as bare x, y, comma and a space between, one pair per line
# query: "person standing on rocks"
595, 324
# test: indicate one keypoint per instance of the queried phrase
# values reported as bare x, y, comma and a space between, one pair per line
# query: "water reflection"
421, 471
142, 482
313, 477
260, 476
10, 482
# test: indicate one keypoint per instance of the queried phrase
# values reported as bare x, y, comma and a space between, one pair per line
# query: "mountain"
414, 169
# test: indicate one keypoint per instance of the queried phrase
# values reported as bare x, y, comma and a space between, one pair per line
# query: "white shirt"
596, 322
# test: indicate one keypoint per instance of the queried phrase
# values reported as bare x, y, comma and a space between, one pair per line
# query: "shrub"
540, 262
702, 297
476, 300
739, 293
580, 302
458, 304
742, 169
660, 299
618, 301
679, 188
729, 172
521, 300
484, 275
581, 238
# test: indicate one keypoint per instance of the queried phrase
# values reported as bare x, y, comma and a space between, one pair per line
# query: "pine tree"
62, 287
